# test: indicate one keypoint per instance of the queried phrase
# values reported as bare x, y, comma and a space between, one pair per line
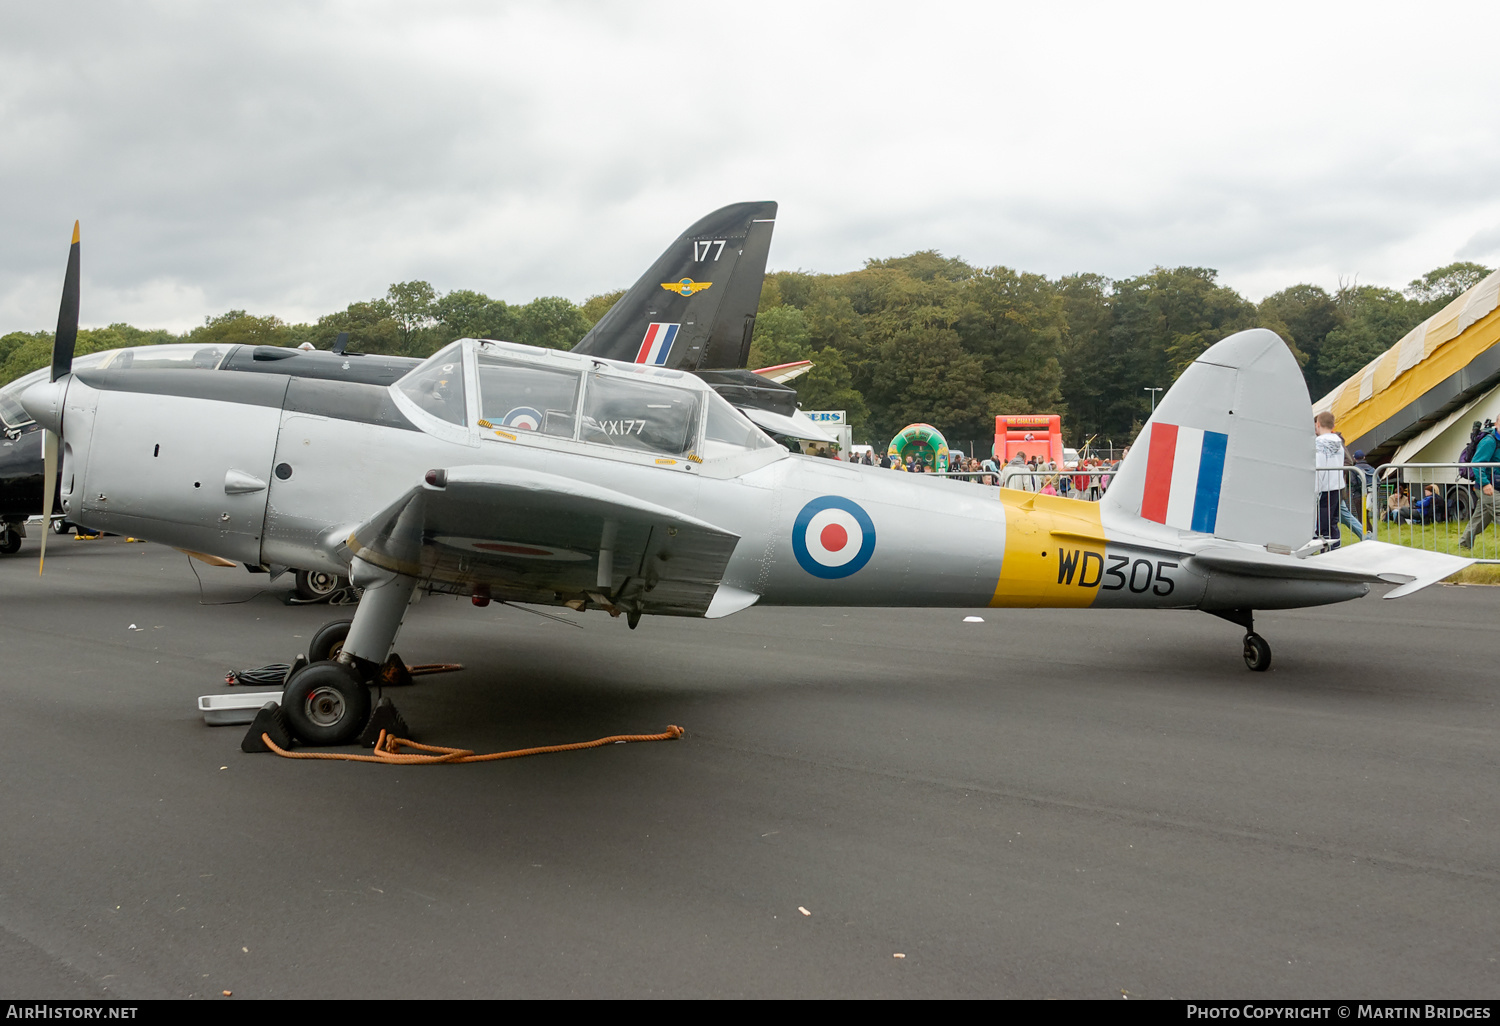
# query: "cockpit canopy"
512, 392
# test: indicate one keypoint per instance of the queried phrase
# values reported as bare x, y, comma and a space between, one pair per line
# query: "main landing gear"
1257, 650
327, 701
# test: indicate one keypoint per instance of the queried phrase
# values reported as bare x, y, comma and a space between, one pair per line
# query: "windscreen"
437, 385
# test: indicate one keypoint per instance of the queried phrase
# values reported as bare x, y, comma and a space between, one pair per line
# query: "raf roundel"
523, 417
833, 537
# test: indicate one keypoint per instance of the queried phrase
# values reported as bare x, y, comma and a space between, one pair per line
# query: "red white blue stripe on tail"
1184, 475
657, 345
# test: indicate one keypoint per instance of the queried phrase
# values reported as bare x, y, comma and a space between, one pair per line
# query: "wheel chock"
271, 721
393, 674
384, 717
297, 664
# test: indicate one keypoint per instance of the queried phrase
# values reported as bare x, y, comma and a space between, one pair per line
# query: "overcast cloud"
290, 159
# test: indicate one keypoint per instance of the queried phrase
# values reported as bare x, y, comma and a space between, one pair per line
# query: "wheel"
61, 527
329, 641
318, 584
1257, 652
324, 704
10, 541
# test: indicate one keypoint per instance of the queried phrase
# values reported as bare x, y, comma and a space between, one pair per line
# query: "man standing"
1487, 451
1328, 449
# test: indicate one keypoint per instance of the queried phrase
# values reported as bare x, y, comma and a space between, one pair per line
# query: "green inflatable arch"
923, 441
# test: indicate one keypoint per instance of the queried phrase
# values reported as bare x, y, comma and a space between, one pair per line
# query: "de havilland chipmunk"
512, 473
667, 318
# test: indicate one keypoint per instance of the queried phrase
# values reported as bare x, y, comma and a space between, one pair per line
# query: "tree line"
921, 337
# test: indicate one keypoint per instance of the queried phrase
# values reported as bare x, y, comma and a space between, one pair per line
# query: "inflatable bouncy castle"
1038, 434
923, 441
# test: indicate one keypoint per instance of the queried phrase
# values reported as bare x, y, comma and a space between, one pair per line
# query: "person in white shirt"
1329, 451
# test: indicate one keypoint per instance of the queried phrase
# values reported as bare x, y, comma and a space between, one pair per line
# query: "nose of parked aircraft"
44, 401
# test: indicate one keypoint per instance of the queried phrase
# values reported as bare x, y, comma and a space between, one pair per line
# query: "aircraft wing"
1368, 561
528, 536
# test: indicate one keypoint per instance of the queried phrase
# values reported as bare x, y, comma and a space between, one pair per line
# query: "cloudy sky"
291, 158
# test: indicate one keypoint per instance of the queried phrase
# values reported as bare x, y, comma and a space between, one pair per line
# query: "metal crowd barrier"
1429, 506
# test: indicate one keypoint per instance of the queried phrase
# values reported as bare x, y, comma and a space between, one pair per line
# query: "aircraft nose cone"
44, 401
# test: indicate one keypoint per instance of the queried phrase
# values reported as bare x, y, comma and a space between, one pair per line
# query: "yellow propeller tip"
75, 233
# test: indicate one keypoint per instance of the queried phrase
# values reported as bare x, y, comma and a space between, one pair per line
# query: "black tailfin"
695, 308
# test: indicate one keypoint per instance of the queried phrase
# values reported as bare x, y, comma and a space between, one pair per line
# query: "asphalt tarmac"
1045, 804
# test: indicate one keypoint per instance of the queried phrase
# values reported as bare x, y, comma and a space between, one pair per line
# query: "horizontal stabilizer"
798, 425
1413, 569
1260, 563
1372, 562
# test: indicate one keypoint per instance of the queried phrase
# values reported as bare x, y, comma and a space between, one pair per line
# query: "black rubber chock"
386, 717
393, 674
271, 721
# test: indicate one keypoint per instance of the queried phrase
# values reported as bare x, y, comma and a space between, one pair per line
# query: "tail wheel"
329, 641
324, 704
318, 584
1257, 652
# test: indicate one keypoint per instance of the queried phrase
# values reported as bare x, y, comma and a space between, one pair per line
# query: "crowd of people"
1344, 499
1088, 479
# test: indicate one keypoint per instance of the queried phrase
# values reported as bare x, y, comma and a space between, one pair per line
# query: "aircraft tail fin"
695, 307
1229, 449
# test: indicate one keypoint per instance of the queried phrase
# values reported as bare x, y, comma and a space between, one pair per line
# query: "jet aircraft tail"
694, 309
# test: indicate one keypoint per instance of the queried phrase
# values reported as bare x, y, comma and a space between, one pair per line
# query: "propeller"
63, 345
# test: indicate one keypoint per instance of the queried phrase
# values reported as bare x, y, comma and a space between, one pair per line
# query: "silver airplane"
511, 473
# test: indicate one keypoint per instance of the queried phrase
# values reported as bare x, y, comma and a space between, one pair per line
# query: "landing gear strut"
1257, 651
327, 701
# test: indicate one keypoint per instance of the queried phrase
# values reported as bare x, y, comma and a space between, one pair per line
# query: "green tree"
553, 322
1371, 320
411, 307
1439, 287
466, 314
596, 307
781, 336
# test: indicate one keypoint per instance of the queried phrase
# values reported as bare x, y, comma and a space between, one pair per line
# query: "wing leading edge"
527, 536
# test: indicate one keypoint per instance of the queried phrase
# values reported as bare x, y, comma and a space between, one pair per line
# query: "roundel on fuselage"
833, 537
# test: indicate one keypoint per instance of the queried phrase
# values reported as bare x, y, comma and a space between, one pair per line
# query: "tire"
61, 527
10, 541
1257, 653
325, 705
328, 642
318, 584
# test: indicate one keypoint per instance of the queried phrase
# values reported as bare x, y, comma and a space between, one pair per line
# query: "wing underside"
525, 536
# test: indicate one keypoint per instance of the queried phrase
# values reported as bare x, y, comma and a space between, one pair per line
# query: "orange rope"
388, 749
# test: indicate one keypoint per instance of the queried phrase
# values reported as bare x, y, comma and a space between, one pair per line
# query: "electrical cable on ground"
227, 602
388, 750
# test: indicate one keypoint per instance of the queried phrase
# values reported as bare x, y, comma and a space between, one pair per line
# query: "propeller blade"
67, 316
49, 491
